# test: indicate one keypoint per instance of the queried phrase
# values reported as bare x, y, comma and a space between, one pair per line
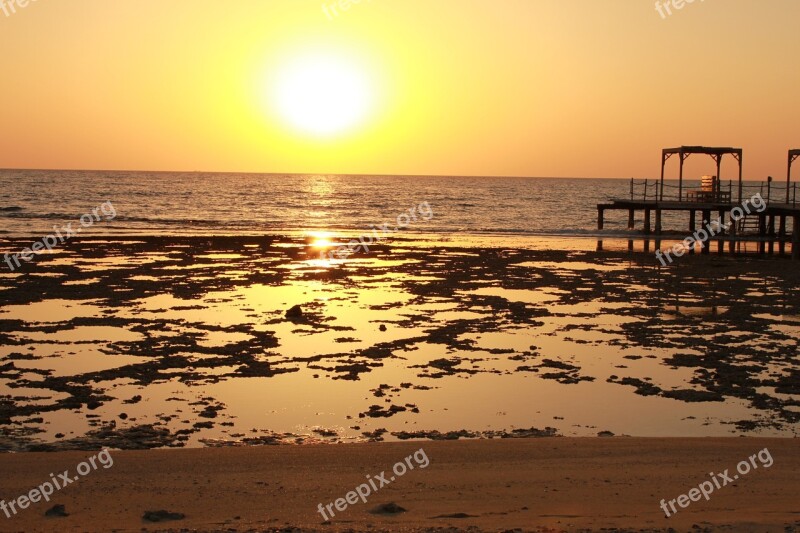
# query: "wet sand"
551, 484
139, 343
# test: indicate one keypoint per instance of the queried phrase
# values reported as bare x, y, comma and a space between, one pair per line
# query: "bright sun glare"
321, 95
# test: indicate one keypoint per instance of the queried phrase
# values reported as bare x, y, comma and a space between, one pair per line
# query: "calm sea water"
31, 202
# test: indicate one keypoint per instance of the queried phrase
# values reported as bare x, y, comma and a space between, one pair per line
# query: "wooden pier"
734, 222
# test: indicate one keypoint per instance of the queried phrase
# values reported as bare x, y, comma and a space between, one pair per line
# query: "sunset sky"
452, 87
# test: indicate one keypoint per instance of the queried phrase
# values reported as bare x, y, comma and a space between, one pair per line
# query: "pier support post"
771, 233
782, 236
706, 222
600, 214
658, 221
762, 233
631, 218
796, 238
720, 242
647, 222
692, 226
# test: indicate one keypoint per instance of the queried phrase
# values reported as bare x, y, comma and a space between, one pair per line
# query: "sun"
321, 94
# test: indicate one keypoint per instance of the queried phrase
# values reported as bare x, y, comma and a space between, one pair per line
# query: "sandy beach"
551, 484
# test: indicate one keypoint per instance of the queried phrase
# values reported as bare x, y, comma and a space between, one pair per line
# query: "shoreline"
617, 241
548, 484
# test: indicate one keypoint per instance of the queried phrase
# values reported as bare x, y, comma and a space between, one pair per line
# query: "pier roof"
708, 150
716, 154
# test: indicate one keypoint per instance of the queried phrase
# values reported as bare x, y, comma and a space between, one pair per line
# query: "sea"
177, 203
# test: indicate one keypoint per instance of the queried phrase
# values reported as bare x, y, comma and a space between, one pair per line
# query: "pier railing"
644, 190
650, 190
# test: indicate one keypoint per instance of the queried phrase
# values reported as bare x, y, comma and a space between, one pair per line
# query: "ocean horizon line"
357, 175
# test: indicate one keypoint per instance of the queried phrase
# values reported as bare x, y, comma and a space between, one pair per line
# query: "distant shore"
549, 484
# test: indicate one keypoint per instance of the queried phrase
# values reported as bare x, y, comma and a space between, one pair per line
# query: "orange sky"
458, 87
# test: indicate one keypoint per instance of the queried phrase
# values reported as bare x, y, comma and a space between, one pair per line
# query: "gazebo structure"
793, 155
732, 226
716, 154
